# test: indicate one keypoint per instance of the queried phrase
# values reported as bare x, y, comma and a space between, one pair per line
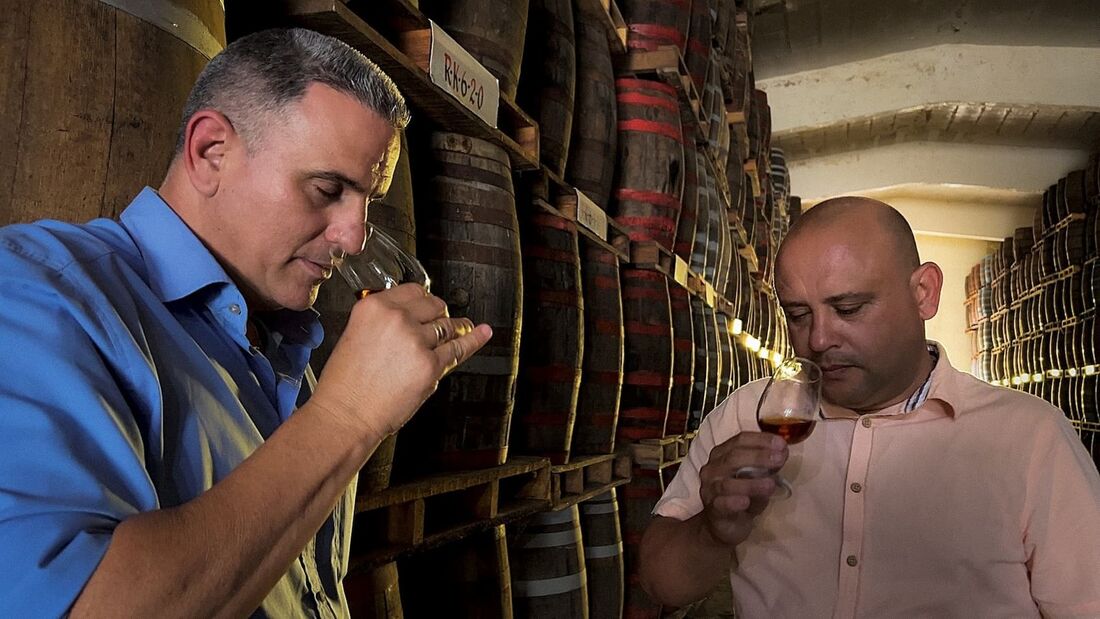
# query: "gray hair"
260, 74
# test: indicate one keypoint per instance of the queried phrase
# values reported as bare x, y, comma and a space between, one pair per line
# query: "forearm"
221, 553
681, 562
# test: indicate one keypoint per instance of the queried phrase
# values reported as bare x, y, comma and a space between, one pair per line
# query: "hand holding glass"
789, 408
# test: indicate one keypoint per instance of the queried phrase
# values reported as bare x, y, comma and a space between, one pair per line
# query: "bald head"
856, 297
867, 220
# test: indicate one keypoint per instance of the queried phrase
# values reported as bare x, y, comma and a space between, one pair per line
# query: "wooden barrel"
683, 361
726, 350
726, 248
374, 592
697, 54
689, 223
651, 160
91, 102
714, 107
647, 354
593, 149
741, 83
637, 500
709, 204
469, 576
653, 23
700, 256
724, 15
714, 360
393, 214
469, 244
1089, 346
1071, 356
603, 555
602, 375
548, 85
493, 31
546, 557
701, 371
551, 352
740, 191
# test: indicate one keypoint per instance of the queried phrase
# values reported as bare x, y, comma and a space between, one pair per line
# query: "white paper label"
680, 271
591, 216
454, 70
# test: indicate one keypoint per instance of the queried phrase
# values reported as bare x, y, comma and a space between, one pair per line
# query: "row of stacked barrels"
1032, 304
607, 351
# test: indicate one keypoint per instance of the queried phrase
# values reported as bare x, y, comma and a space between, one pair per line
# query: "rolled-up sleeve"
71, 451
681, 499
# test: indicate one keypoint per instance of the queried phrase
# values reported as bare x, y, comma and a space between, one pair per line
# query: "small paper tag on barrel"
680, 271
457, 72
590, 215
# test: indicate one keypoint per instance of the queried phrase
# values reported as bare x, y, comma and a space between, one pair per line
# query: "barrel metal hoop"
548, 586
175, 20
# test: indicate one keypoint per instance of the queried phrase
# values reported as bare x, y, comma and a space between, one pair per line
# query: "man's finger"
453, 353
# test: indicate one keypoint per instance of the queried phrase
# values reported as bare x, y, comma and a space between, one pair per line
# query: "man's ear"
925, 284
206, 141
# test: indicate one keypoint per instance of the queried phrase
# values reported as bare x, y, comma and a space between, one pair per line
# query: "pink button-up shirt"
981, 502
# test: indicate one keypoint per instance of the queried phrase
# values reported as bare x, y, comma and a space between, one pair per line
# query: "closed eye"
330, 191
797, 316
849, 310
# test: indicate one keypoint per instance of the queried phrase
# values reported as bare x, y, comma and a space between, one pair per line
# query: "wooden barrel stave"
651, 161
603, 555
636, 502
469, 244
653, 23
602, 376
552, 351
647, 355
697, 50
590, 166
90, 111
546, 557
548, 86
683, 362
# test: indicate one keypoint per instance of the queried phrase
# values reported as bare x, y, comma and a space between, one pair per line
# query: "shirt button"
856, 487
236, 309
852, 560
866, 422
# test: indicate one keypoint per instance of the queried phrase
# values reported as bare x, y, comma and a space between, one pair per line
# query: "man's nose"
822, 333
347, 228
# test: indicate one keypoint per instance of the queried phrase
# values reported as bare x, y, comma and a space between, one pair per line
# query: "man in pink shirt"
922, 492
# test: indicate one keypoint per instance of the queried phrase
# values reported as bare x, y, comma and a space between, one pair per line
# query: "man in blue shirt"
158, 453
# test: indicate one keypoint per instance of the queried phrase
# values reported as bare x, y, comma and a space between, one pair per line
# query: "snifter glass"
789, 408
380, 266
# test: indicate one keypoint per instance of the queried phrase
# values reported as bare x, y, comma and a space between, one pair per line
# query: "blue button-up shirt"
127, 384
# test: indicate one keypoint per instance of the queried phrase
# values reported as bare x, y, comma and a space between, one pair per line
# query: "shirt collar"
178, 266
167, 244
937, 387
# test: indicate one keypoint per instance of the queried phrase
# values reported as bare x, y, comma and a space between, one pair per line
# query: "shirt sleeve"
1062, 524
71, 452
681, 499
